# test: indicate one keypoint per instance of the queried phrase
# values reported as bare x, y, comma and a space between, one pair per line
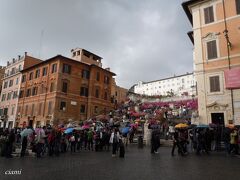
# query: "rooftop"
69, 59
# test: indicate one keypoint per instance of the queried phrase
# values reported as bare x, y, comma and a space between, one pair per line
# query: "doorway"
30, 123
217, 118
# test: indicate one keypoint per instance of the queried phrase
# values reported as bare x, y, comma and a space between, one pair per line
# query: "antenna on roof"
41, 42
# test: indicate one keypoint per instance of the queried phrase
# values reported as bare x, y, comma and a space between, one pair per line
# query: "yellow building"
216, 38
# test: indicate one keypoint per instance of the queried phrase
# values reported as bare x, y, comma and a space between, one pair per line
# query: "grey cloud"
138, 39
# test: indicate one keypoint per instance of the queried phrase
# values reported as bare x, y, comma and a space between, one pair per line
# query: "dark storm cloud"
139, 39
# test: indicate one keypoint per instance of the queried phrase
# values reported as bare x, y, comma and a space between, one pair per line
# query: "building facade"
61, 90
2, 72
118, 94
216, 38
10, 88
177, 86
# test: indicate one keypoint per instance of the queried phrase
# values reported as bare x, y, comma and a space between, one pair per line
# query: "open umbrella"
78, 128
125, 130
68, 130
85, 127
202, 126
26, 132
181, 125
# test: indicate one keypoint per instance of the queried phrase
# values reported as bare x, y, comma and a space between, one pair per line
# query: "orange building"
216, 37
60, 90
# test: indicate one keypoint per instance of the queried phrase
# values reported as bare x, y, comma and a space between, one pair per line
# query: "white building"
177, 85
10, 89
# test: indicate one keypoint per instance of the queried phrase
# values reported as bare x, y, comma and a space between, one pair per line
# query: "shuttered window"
64, 87
208, 15
212, 49
238, 6
214, 84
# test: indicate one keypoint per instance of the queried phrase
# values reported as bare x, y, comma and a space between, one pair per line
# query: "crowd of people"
54, 141
203, 140
118, 129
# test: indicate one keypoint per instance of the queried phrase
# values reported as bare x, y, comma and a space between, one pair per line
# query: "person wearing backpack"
114, 140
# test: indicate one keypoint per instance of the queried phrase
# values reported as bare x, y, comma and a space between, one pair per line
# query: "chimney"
19, 57
13, 60
25, 53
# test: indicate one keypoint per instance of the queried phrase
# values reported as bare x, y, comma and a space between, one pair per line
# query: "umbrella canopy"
212, 125
202, 126
85, 127
181, 125
78, 128
26, 132
68, 130
125, 130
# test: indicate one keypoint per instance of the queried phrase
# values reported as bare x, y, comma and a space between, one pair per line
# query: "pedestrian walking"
114, 140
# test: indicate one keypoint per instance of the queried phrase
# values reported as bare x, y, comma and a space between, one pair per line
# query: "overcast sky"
138, 39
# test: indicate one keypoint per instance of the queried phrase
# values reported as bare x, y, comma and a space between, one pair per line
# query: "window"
95, 109
212, 49
31, 76
85, 74
49, 107
97, 93
66, 68
19, 109
9, 95
33, 108
64, 87
23, 78
3, 97
15, 93
116, 93
54, 68
5, 84
5, 111
10, 83
82, 108
62, 105
106, 96
106, 79
238, 6
214, 84
84, 91
34, 91
26, 110
208, 15
44, 71
21, 94
28, 93
40, 109
98, 76
17, 81
37, 73
52, 87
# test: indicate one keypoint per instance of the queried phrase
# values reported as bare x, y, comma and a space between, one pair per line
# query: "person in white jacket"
114, 140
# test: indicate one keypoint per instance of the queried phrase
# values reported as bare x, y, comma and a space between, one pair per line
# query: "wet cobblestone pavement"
137, 164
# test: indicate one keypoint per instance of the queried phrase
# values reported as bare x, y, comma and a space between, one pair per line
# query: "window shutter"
212, 49
206, 15
214, 84
238, 6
